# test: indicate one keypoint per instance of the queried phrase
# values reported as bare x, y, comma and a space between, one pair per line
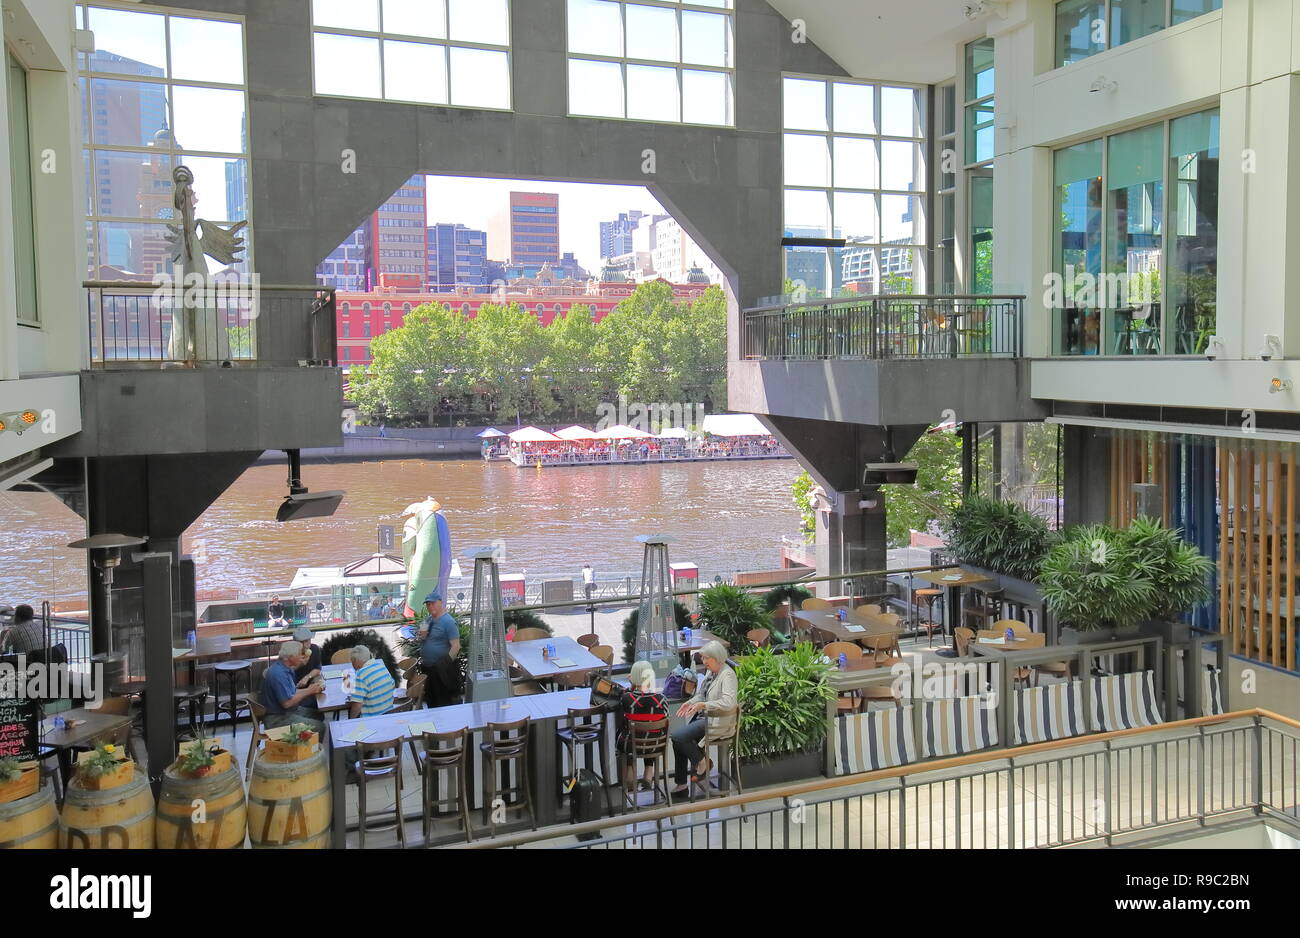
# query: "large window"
1086, 27
20, 178
653, 60
1130, 283
979, 111
158, 91
453, 52
855, 168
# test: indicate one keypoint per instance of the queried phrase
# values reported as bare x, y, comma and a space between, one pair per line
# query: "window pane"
133, 185
595, 27
1080, 30
209, 119
347, 65
595, 88
856, 217
415, 71
480, 78
896, 270
855, 164
979, 69
807, 214
805, 104
127, 113
900, 166
1185, 10
221, 187
137, 248
807, 160
948, 110
902, 219
128, 43
1135, 234
651, 33
855, 271
981, 233
1133, 19
979, 133
806, 273
706, 39
20, 178
1077, 175
485, 21
900, 114
1194, 230
652, 93
855, 109
207, 50
346, 14
707, 98
416, 18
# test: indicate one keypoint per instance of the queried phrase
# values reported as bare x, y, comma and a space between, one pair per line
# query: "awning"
621, 432
490, 432
734, 425
675, 433
576, 433
533, 435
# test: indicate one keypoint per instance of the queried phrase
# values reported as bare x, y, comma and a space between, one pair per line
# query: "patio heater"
656, 626
106, 556
487, 672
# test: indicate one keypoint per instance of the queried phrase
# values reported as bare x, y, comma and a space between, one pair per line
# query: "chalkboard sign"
19, 728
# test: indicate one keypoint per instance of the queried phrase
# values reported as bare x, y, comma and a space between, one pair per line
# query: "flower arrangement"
300, 733
197, 761
105, 767
10, 770
17, 780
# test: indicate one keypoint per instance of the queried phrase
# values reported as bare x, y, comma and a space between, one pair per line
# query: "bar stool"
231, 671
377, 760
507, 743
727, 749
586, 730
647, 739
131, 689
445, 753
193, 700
930, 595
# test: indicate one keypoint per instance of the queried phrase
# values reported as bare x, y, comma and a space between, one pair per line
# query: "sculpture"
426, 548
199, 327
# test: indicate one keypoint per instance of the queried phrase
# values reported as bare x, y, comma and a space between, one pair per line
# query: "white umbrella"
675, 433
576, 433
621, 432
734, 425
533, 435
491, 432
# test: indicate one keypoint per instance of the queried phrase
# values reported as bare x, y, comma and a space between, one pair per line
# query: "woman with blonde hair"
641, 704
715, 700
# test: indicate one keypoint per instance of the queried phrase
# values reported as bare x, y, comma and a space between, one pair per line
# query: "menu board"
19, 728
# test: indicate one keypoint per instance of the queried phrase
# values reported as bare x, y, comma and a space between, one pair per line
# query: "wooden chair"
377, 760
1059, 669
606, 654
1031, 640
531, 635
930, 596
1014, 625
819, 637
445, 753
869, 609
406, 664
258, 731
584, 738
833, 650
813, 603
524, 687
759, 638
590, 640
646, 739
507, 745
991, 633
883, 647
342, 656
963, 637
731, 759
114, 706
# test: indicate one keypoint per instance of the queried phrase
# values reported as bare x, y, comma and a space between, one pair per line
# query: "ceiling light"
1277, 385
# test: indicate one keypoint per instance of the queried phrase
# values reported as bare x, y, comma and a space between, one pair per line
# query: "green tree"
415, 368
801, 488
506, 346
570, 362
937, 491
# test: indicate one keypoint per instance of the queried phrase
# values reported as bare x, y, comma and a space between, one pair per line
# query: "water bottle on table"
844, 661
1011, 634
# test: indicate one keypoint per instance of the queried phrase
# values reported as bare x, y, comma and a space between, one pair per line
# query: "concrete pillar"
850, 538
1086, 482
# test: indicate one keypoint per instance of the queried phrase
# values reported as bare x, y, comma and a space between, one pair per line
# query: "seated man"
26, 634
281, 696
372, 691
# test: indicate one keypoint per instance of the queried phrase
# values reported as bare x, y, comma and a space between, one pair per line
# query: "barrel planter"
30, 823
120, 818
220, 811
289, 804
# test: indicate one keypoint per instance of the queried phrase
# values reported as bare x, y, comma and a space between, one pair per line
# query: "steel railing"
1116, 788
887, 327
134, 323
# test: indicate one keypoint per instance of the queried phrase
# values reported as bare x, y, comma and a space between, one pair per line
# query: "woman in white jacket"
712, 710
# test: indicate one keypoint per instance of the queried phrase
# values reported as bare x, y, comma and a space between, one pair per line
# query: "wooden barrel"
289, 804
217, 801
30, 823
119, 818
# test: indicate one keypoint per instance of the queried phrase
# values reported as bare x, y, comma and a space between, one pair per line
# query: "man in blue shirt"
281, 696
439, 650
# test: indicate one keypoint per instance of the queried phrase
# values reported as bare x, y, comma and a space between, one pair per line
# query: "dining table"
854, 628
569, 658
90, 725
952, 579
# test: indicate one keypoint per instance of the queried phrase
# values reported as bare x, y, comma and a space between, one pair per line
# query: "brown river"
723, 517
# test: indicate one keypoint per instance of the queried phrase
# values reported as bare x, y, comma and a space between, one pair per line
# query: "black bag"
607, 693
584, 803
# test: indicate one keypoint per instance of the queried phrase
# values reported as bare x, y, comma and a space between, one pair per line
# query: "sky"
583, 206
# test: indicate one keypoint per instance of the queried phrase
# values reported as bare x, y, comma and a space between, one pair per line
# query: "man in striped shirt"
372, 690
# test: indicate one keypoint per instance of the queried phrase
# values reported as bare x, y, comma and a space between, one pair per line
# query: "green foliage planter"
368, 637
730, 613
999, 536
524, 619
783, 701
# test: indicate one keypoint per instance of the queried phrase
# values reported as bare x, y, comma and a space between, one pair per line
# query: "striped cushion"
878, 739
1124, 702
1211, 691
1049, 712
954, 727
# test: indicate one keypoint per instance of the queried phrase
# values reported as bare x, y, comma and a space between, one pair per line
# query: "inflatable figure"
426, 548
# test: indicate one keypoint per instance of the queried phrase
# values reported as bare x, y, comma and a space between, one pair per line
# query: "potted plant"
368, 637
1178, 570
17, 779
105, 767
783, 700
1095, 581
202, 758
291, 743
1000, 537
781, 601
730, 613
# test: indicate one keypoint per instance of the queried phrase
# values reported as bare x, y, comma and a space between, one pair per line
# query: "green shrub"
1094, 578
729, 612
790, 593
681, 616
783, 701
338, 641
999, 536
1178, 570
525, 619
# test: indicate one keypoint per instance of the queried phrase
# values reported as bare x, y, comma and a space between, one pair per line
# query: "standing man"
588, 581
439, 651
383, 431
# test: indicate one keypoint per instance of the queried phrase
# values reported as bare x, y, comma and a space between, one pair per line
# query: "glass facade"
666, 61
979, 87
1116, 257
855, 168
1086, 27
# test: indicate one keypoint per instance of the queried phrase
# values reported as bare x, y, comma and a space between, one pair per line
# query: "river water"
723, 517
